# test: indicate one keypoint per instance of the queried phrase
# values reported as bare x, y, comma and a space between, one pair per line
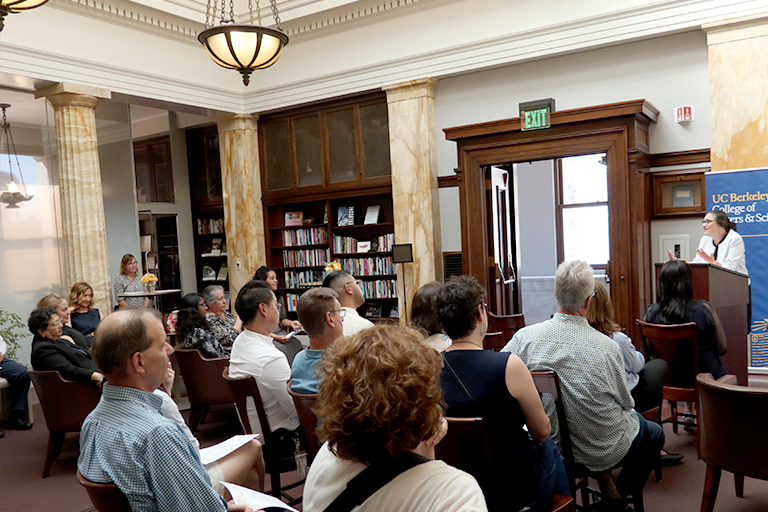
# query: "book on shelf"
223, 272
373, 310
294, 218
304, 236
372, 214
363, 246
346, 216
210, 226
216, 247
208, 273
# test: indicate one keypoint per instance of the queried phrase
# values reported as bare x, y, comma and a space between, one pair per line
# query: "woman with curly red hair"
380, 403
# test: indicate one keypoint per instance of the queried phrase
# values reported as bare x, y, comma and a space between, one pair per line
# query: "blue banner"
743, 195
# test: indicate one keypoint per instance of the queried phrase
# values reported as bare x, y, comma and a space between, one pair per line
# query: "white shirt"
430, 487
354, 323
730, 252
254, 355
634, 360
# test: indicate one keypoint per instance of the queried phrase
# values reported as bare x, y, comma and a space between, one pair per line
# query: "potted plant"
9, 325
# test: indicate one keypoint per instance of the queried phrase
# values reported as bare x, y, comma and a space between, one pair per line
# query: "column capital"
412, 89
232, 122
65, 94
735, 29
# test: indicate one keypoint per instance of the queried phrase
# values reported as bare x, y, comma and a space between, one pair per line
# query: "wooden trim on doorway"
621, 131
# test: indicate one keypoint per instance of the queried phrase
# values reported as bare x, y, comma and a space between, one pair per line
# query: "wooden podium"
728, 292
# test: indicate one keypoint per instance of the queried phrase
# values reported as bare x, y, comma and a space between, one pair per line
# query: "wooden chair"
466, 447
65, 406
304, 403
729, 435
105, 497
202, 378
547, 382
505, 324
275, 464
677, 345
494, 341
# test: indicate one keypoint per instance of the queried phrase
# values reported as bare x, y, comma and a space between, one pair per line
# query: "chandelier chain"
223, 11
10, 147
275, 14
232, 11
208, 21
250, 10
258, 12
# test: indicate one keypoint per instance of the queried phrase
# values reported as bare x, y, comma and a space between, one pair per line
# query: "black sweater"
72, 361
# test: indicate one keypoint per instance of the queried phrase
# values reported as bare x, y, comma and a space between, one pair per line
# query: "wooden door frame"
621, 131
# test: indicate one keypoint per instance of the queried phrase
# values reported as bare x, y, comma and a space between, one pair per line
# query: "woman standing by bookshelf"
127, 282
225, 326
289, 346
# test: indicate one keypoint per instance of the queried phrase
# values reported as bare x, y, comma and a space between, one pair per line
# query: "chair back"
202, 377
65, 403
105, 497
466, 447
304, 404
494, 341
727, 413
507, 325
547, 382
677, 345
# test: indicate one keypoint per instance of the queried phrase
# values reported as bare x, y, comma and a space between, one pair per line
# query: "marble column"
738, 91
82, 202
413, 153
243, 210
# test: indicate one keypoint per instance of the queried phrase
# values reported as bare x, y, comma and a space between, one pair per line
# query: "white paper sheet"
218, 451
254, 499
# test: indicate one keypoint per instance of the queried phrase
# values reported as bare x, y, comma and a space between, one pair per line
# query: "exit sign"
535, 115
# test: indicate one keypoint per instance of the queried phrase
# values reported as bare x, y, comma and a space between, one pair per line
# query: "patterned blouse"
223, 330
123, 284
204, 341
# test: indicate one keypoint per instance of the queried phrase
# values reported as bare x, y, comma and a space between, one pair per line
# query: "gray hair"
574, 283
210, 292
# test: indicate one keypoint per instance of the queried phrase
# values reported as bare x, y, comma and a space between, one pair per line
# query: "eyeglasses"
57, 323
594, 292
706, 221
342, 312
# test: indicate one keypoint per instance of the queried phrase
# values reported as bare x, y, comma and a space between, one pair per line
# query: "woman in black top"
84, 317
61, 305
193, 329
51, 350
527, 469
675, 305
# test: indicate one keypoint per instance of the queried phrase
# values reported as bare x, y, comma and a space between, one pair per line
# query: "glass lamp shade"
243, 47
22, 5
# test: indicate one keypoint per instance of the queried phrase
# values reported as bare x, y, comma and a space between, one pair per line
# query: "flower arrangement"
170, 323
332, 266
149, 277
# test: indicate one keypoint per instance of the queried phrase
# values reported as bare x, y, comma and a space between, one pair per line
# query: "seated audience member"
527, 469
244, 466
193, 330
350, 298
52, 351
424, 316
254, 355
224, 325
645, 380
17, 376
61, 305
322, 317
125, 440
290, 346
84, 318
606, 432
380, 400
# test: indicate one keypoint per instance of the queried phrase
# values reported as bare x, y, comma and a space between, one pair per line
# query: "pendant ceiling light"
17, 6
12, 196
243, 47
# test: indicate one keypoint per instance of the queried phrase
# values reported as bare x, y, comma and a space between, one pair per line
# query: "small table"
152, 295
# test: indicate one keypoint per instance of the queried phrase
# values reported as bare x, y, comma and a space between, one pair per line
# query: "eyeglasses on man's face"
57, 323
342, 312
594, 292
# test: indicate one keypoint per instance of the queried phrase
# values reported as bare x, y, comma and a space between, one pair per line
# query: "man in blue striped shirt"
125, 439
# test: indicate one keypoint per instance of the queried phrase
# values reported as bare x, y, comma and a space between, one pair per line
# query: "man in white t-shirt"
350, 298
254, 355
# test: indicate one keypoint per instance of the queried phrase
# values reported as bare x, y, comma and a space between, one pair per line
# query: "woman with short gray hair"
225, 326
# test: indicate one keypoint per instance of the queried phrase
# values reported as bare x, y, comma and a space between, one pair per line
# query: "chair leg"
658, 468
638, 501
274, 479
195, 414
55, 442
738, 481
204, 415
711, 483
673, 410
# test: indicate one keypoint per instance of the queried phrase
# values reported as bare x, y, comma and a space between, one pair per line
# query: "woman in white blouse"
721, 245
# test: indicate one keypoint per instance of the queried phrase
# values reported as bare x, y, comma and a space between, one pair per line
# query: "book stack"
386, 289
344, 244
386, 242
368, 266
304, 236
306, 258
210, 226
296, 279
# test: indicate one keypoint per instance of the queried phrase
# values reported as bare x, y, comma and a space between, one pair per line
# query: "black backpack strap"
373, 478
460, 383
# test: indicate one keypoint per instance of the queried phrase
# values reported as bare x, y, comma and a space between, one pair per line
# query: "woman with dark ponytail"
721, 245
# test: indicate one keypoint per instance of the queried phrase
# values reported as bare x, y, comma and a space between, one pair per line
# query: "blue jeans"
550, 471
641, 458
